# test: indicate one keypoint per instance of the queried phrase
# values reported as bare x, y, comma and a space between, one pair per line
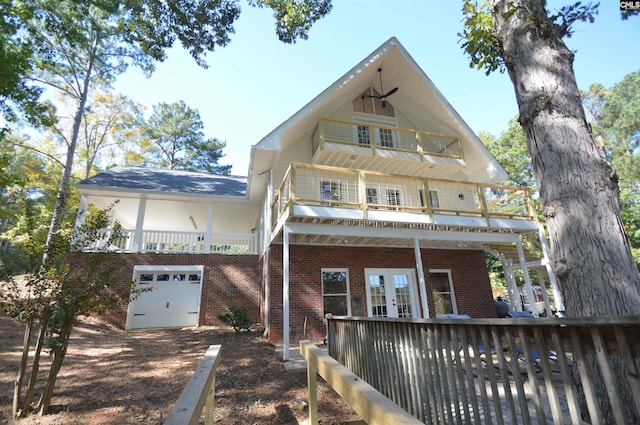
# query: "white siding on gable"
299, 151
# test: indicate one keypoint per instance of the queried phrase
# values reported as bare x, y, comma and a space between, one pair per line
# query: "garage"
171, 297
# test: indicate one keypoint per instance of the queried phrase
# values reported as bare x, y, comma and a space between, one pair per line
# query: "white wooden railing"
162, 241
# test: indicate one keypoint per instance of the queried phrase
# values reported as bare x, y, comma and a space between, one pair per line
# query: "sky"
256, 82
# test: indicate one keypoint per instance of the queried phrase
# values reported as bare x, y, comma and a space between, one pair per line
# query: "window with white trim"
335, 292
444, 299
332, 190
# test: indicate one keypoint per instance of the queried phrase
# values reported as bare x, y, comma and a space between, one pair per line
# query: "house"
374, 199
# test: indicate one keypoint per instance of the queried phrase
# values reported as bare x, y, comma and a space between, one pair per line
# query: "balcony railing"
375, 195
376, 136
159, 241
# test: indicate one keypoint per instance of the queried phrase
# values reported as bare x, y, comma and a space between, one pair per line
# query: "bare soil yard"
113, 377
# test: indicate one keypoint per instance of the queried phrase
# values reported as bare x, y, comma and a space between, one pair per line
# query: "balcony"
360, 144
171, 242
329, 193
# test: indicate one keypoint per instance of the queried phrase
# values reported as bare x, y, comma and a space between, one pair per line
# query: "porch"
330, 193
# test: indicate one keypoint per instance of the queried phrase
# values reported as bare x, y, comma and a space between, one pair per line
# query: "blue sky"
257, 82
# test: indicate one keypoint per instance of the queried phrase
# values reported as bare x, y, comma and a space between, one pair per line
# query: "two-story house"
375, 199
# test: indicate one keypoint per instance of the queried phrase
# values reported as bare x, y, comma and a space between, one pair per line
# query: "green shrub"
236, 317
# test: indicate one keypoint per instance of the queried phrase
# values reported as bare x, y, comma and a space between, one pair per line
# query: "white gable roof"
417, 97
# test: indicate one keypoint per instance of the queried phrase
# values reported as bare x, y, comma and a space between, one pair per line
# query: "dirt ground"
113, 377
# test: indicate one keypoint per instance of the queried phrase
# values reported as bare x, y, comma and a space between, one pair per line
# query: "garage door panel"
173, 300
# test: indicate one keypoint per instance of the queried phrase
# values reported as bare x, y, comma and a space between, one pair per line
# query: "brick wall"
239, 280
228, 280
468, 268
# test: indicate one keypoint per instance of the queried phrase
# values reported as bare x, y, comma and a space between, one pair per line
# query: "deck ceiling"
393, 166
474, 241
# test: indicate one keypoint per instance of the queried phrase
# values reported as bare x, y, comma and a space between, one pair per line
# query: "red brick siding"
468, 269
228, 280
239, 280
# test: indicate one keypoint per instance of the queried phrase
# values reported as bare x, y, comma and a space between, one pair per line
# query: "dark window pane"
334, 282
336, 305
162, 277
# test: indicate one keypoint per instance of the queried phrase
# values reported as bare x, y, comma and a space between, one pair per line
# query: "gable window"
335, 292
444, 300
367, 103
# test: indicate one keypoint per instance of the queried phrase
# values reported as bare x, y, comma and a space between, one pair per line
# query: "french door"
392, 293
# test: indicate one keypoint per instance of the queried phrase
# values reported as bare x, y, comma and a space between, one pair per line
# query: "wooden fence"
498, 371
372, 406
198, 394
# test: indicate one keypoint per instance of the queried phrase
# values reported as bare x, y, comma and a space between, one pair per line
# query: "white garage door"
173, 299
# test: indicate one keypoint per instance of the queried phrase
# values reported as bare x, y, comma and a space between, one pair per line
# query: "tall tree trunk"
63, 187
579, 191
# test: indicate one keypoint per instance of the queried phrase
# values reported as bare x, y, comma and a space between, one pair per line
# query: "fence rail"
198, 394
498, 371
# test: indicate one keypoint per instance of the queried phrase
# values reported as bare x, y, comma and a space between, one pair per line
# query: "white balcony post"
137, 236
207, 236
421, 282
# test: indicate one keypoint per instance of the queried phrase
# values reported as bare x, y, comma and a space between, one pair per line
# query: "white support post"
512, 288
207, 236
545, 296
265, 275
80, 217
557, 297
285, 292
137, 236
421, 283
527, 279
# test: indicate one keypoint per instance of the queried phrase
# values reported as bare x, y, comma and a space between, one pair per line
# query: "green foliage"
615, 122
178, 142
54, 296
479, 38
236, 317
294, 18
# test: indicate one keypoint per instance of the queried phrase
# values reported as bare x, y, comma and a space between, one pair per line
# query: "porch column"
527, 279
557, 298
80, 217
421, 283
265, 276
285, 292
137, 235
207, 236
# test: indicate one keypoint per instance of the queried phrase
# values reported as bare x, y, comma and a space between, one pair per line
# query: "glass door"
391, 293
